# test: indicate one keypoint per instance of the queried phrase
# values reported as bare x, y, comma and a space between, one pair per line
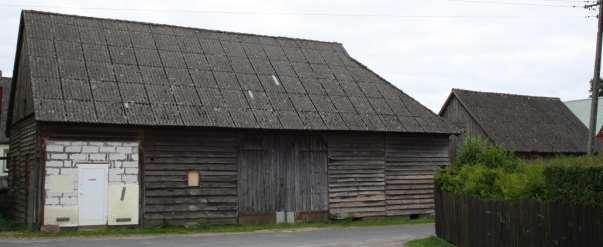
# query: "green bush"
490, 172
479, 151
574, 183
492, 183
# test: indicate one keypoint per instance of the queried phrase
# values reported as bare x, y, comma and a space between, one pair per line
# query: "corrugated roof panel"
133, 92
160, 69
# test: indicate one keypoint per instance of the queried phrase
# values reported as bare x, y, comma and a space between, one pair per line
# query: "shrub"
573, 183
492, 183
476, 150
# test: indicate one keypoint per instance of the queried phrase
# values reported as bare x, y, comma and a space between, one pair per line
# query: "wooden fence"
468, 221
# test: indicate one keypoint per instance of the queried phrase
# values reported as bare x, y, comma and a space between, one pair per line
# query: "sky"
424, 47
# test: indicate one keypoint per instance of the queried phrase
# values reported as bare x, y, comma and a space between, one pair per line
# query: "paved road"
388, 236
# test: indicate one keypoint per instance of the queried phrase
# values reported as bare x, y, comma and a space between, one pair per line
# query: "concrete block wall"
63, 158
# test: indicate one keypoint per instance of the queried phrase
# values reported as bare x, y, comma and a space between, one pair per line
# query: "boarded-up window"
193, 178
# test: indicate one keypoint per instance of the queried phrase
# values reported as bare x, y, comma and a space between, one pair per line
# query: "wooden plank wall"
383, 175
282, 173
456, 113
410, 164
23, 157
356, 175
168, 156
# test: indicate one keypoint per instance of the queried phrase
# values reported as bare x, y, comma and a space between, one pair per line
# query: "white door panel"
92, 198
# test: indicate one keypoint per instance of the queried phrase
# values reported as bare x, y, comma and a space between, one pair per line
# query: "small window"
193, 178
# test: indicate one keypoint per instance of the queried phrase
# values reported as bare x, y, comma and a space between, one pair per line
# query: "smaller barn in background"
4, 93
527, 125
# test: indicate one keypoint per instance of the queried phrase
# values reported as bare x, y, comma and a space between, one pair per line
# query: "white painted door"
92, 197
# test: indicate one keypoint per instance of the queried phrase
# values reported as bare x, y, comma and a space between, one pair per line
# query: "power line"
518, 3
283, 13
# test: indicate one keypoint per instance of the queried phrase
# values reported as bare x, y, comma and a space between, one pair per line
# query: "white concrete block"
58, 156
124, 150
115, 175
79, 143
54, 163
69, 171
130, 144
90, 149
290, 217
54, 148
113, 144
73, 149
135, 156
107, 149
98, 156
78, 157
68, 163
52, 171
132, 171
280, 217
130, 179
129, 164
117, 156
98, 144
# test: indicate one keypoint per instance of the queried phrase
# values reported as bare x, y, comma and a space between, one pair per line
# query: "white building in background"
581, 108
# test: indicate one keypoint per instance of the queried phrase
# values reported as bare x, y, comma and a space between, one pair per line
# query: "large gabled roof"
524, 123
91, 70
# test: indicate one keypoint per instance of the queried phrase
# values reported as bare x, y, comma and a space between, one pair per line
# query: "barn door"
282, 173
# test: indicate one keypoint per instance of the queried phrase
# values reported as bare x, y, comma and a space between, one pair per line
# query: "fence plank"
469, 221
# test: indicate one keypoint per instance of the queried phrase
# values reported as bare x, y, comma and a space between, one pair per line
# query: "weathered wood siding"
380, 175
23, 165
22, 94
460, 117
282, 173
357, 175
246, 173
410, 163
168, 156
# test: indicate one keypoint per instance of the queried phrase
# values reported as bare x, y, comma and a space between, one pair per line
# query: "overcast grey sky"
424, 47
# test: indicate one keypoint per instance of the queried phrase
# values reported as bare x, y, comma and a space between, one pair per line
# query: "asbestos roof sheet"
93, 70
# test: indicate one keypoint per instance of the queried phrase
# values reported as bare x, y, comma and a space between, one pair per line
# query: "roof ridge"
176, 26
504, 94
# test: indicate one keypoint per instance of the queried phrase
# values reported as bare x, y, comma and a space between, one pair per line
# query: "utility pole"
596, 81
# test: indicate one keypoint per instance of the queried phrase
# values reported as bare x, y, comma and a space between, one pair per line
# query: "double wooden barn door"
282, 173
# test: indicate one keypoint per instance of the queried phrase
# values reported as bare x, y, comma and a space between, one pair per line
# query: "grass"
173, 230
428, 242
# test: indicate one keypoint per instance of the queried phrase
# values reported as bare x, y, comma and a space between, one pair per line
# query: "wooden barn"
173, 125
527, 125
4, 93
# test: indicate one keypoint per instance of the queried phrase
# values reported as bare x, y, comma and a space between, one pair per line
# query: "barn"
124, 123
529, 126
